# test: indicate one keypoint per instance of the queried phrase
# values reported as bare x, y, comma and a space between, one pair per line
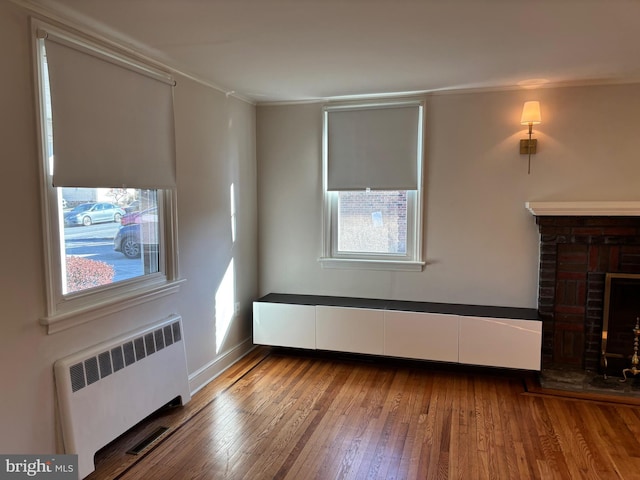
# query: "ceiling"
297, 50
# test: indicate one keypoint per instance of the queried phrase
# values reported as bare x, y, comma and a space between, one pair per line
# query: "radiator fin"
159, 339
91, 367
104, 361
177, 335
150, 343
168, 336
129, 355
138, 343
117, 358
77, 377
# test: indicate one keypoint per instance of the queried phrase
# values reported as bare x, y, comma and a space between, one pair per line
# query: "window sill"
364, 264
63, 320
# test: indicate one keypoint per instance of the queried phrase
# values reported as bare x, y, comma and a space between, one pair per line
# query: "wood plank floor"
298, 416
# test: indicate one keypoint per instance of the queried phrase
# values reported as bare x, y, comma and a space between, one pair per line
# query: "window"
372, 222
108, 235
108, 174
372, 165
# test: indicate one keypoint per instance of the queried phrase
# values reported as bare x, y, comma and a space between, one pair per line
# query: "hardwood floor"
287, 415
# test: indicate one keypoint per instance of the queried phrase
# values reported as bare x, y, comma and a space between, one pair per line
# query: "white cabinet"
284, 325
356, 330
426, 336
455, 338
500, 342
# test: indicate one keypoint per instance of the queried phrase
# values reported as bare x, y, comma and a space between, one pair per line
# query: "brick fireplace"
579, 245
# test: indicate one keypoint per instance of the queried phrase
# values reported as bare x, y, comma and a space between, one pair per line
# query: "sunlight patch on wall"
225, 305
233, 212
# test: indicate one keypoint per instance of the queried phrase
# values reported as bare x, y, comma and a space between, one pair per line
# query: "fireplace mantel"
584, 209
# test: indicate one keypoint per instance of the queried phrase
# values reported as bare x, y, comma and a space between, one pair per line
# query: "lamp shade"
531, 113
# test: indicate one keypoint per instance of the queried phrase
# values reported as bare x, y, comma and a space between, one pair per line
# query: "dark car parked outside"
134, 238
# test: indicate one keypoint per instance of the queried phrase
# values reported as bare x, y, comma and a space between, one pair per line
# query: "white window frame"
412, 259
66, 311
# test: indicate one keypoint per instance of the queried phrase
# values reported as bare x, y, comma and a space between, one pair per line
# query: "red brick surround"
575, 255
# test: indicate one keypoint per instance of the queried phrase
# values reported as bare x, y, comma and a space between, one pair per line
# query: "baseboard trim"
210, 371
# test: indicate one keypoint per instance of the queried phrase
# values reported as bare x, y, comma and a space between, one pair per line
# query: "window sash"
148, 231
332, 203
68, 310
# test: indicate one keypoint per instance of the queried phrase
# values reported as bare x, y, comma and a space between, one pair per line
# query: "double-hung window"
372, 184
108, 174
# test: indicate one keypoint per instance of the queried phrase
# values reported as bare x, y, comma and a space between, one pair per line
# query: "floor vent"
148, 440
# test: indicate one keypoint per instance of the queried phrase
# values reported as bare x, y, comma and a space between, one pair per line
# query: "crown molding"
67, 18
95, 31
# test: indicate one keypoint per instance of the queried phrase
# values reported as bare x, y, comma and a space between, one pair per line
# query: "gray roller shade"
113, 122
373, 147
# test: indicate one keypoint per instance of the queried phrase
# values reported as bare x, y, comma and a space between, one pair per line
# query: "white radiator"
105, 390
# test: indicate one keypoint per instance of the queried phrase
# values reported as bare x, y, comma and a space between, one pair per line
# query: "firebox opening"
621, 309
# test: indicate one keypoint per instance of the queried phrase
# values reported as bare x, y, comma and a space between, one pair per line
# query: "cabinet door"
355, 330
500, 342
284, 325
427, 336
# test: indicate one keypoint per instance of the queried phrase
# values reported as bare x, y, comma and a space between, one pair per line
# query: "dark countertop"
405, 306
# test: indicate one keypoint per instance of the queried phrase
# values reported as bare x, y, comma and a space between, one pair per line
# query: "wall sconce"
531, 117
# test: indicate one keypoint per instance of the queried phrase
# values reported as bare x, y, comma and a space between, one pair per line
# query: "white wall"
215, 139
481, 244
